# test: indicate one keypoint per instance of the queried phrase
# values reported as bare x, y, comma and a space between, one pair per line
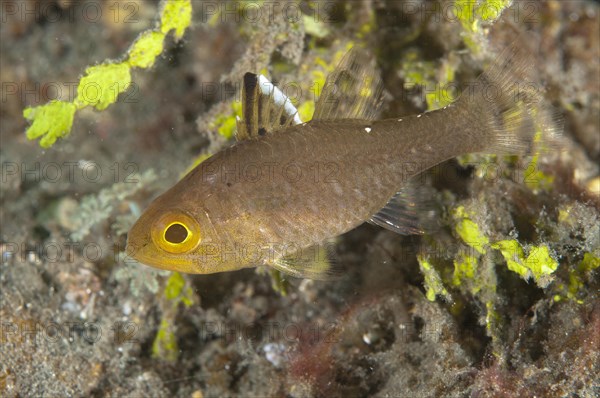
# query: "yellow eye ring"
176, 232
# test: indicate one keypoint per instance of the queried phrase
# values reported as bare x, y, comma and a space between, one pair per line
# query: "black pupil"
176, 233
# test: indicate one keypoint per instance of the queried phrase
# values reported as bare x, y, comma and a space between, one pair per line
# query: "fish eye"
176, 232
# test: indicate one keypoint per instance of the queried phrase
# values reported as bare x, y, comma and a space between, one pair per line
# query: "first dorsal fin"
354, 90
265, 108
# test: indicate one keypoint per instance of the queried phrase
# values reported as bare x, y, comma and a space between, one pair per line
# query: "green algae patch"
541, 264
469, 231
145, 49
226, 124
50, 121
177, 292
465, 11
319, 69
493, 324
102, 84
176, 15
306, 110
471, 13
165, 345
590, 262
368, 26
535, 179
474, 15
314, 27
490, 10
577, 279
538, 264
433, 282
436, 79
415, 70
513, 255
465, 268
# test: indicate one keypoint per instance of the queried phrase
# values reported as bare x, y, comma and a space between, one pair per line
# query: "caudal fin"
510, 104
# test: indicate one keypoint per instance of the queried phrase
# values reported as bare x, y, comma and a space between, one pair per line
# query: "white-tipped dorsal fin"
265, 108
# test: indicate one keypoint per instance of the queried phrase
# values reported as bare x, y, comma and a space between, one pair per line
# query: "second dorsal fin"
354, 90
265, 108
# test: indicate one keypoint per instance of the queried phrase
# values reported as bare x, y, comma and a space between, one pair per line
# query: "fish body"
280, 187
285, 188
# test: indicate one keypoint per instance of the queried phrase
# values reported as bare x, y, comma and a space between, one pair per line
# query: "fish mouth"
137, 254
131, 250
135, 251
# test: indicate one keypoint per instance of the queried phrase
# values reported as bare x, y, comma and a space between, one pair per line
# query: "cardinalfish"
286, 186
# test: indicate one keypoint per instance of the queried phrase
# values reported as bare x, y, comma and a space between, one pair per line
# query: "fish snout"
130, 249
133, 249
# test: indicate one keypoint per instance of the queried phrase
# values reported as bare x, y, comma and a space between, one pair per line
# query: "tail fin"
511, 105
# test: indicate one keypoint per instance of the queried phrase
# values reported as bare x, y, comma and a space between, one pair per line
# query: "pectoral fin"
408, 212
314, 262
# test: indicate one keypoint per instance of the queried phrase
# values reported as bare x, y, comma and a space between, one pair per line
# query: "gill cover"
176, 232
